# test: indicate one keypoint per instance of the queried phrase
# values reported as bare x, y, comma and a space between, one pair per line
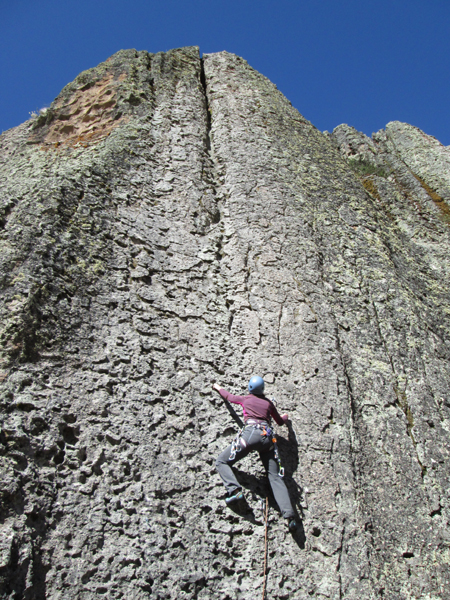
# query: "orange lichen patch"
370, 186
438, 200
85, 118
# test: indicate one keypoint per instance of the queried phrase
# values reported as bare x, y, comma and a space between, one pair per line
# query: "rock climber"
257, 435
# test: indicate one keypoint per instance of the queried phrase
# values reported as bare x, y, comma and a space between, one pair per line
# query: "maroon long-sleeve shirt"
255, 408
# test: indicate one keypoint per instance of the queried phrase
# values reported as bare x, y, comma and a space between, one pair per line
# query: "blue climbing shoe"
238, 495
293, 525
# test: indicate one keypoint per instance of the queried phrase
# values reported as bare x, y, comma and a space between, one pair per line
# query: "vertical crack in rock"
208, 112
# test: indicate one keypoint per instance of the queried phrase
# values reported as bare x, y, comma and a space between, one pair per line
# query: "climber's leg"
277, 484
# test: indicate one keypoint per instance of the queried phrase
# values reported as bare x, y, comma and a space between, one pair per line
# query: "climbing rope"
265, 548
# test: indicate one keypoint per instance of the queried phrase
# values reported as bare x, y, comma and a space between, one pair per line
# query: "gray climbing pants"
253, 439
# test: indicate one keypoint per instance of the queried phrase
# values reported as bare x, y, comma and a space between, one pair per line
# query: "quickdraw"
277, 458
236, 445
269, 431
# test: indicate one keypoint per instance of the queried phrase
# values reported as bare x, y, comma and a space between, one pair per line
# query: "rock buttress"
172, 221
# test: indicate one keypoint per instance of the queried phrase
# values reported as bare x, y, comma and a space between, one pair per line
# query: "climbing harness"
239, 442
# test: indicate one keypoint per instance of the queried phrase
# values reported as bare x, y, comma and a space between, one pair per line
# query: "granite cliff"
171, 221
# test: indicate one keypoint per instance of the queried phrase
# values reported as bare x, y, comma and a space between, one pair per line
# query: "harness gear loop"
235, 444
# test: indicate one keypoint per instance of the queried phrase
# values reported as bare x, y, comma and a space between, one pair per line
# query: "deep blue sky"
361, 62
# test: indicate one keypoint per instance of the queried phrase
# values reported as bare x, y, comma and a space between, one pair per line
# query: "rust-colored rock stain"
86, 118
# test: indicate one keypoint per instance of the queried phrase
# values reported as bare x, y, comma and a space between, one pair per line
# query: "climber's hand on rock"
285, 418
216, 387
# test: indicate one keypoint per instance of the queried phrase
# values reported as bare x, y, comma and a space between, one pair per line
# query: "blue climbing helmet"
256, 385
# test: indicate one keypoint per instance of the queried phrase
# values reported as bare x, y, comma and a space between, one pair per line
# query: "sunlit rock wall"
172, 221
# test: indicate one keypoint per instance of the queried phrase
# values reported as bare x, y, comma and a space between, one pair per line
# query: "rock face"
173, 221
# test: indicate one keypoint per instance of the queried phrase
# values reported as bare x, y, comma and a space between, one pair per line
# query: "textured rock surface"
170, 222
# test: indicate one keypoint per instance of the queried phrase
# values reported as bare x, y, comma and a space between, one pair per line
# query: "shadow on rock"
244, 510
298, 535
289, 459
260, 489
